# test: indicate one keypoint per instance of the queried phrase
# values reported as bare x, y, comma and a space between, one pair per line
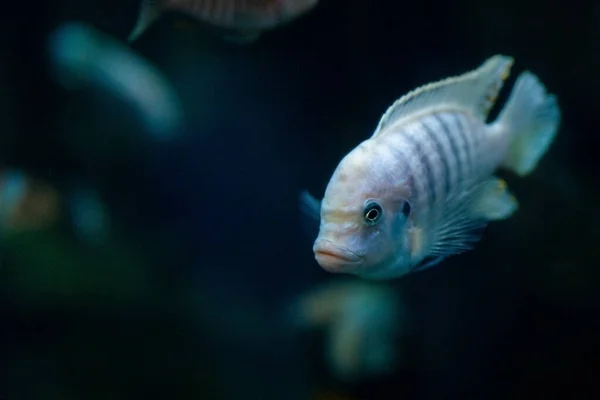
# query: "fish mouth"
334, 258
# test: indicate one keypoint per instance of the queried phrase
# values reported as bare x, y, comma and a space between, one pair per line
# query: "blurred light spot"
80, 54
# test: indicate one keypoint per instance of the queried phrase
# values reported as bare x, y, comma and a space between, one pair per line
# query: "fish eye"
372, 213
405, 209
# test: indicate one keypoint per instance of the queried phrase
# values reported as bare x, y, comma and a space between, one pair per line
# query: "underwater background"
160, 251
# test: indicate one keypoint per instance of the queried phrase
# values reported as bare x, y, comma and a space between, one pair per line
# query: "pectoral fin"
427, 263
458, 222
454, 227
465, 213
310, 209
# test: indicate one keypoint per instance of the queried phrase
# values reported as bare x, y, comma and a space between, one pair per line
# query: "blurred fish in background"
130, 274
26, 204
81, 55
239, 21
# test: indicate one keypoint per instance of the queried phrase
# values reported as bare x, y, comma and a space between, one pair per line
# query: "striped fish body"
439, 152
422, 186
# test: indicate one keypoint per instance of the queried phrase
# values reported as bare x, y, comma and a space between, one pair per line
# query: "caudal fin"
149, 13
531, 117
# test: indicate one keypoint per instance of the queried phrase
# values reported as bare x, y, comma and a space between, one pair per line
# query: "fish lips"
334, 258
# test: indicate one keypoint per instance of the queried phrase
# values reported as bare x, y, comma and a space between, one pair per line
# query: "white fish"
422, 186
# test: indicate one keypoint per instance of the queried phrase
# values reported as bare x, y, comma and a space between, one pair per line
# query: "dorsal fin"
474, 92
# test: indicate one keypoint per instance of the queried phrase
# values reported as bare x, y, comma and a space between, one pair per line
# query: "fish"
83, 56
241, 21
363, 323
30, 204
423, 187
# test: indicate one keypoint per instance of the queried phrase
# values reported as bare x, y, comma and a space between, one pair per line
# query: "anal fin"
495, 201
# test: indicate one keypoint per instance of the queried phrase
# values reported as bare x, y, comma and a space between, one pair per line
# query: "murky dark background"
189, 297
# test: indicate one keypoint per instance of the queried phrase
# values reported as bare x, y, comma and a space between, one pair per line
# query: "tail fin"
531, 116
149, 13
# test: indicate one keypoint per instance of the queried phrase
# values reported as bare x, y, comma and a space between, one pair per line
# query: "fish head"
364, 227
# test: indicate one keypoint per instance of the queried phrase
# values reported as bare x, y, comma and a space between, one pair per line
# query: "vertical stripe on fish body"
428, 172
